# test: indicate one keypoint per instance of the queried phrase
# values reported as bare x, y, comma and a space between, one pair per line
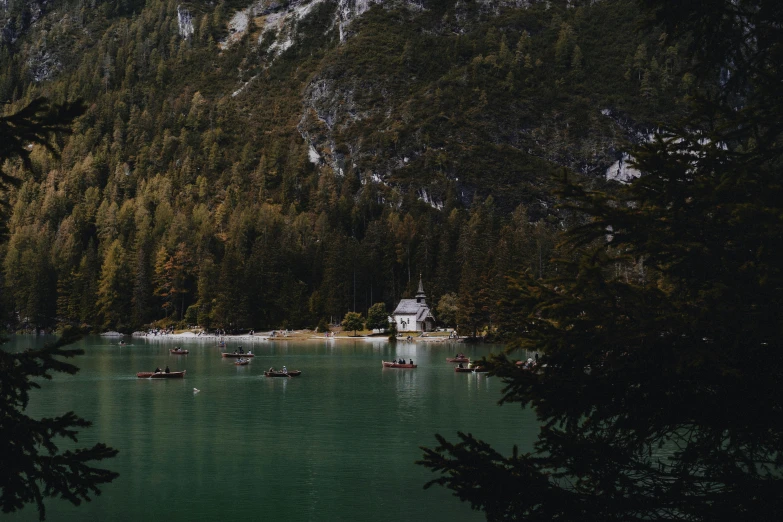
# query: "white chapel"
413, 315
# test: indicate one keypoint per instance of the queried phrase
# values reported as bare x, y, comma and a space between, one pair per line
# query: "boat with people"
242, 362
458, 359
161, 375
392, 364
179, 351
471, 369
529, 364
271, 372
237, 355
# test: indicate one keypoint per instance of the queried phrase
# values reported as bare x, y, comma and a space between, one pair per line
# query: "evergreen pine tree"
564, 45
640, 60
576, 61
522, 46
647, 87
113, 287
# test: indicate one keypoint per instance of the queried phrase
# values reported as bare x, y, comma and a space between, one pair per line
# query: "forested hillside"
272, 164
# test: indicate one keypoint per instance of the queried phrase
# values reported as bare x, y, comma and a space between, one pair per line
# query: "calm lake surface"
337, 443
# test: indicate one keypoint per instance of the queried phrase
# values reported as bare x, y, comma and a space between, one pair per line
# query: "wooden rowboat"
291, 373
161, 375
397, 365
243, 362
457, 359
237, 355
474, 369
179, 352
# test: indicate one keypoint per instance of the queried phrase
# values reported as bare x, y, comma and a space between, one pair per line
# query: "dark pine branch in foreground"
34, 124
33, 465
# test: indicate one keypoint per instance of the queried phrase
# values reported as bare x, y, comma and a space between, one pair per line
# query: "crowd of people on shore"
153, 332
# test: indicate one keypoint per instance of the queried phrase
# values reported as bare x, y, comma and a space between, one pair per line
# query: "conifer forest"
297, 164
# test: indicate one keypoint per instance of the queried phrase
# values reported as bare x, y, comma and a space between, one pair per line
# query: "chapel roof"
423, 314
408, 307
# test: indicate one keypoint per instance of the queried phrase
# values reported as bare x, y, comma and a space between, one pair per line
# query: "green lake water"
337, 443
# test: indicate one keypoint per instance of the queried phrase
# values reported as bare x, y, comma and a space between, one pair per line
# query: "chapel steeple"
420, 297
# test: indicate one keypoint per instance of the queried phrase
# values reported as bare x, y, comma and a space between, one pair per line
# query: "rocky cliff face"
339, 111
16, 16
443, 97
184, 22
280, 18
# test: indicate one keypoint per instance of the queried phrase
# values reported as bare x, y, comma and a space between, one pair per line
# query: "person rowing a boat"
157, 370
167, 369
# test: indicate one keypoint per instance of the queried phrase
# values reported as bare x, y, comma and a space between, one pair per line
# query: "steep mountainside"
266, 163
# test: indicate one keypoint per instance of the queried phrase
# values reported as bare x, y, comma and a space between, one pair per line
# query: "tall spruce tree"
114, 287
659, 391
